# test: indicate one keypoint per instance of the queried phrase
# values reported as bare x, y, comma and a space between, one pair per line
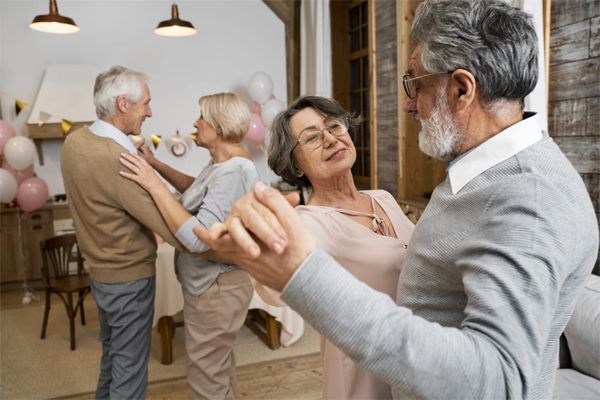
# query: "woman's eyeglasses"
314, 137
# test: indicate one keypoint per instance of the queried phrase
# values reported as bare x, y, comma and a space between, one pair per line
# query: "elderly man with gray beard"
498, 258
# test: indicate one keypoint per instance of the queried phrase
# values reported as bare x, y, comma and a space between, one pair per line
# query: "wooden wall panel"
595, 37
575, 79
565, 12
570, 43
593, 117
567, 117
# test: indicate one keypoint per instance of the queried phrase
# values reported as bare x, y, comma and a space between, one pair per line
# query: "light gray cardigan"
209, 199
489, 283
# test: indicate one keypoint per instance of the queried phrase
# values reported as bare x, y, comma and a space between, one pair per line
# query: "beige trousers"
212, 322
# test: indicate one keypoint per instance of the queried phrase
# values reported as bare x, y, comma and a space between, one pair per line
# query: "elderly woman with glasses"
216, 295
366, 231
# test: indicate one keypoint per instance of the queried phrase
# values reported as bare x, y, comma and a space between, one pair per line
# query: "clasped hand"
263, 235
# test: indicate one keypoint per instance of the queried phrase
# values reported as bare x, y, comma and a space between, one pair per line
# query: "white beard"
440, 136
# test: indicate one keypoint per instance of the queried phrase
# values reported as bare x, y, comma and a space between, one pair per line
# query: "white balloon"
20, 152
260, 87
269, 110
8, 186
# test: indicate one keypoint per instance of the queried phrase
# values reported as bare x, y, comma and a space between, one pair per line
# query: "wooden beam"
288, 11
418, 174
373, 94
281, 8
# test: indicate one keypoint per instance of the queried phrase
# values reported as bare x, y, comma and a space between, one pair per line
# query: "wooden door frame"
288, 11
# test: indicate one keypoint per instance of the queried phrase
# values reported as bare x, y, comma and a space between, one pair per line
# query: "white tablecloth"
169, 300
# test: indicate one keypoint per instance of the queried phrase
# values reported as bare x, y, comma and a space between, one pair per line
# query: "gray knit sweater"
489, 283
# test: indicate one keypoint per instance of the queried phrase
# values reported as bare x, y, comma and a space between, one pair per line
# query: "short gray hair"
229, 112
117, 81
281, 160
492, 40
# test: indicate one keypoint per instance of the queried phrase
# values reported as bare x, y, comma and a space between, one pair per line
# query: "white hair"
117, 81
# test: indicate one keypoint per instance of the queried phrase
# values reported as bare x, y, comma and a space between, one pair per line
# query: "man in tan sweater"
115, 220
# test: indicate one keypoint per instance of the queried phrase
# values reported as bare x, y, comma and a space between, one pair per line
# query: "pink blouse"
373, 256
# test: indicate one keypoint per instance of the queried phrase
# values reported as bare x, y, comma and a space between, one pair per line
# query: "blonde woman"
216, 294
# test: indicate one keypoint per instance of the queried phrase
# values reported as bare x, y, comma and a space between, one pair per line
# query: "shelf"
49, 131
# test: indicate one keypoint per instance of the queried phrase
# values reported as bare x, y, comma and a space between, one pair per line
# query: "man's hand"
147, 154
264, 235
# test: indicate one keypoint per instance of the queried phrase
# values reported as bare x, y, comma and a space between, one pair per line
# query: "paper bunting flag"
194, 136
155, 140
19, 106
66, 126
43, 117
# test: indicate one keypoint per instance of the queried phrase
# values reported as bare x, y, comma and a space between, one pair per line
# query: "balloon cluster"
265, 107
17, 181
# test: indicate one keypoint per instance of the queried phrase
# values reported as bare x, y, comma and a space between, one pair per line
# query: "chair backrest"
57, 254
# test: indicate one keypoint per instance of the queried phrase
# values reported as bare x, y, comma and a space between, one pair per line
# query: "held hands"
141, 172
264, 235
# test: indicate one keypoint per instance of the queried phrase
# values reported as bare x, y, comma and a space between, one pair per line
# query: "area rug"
31, 368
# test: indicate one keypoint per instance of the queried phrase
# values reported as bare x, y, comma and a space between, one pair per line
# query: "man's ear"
462, 88
122, 104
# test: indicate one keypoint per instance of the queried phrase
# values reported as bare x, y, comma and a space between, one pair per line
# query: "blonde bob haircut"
227, 112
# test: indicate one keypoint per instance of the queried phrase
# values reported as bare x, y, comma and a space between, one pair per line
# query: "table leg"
265, 326
166, 328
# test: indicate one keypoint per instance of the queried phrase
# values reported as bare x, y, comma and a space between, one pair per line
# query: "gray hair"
117, 81
495, 42
282, 140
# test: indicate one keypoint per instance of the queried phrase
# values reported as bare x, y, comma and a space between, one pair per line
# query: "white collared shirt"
104, 129
493, 151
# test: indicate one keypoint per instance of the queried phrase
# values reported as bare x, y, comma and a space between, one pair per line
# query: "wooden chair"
57, 254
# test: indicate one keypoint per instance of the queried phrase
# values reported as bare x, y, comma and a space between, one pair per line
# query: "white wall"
235, 39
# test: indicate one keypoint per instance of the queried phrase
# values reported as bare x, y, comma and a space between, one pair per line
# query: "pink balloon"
6, 133
256, 132
32, 194
20, 176
255, 108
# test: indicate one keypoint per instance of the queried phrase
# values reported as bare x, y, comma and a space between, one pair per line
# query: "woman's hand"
264, 235
141, 172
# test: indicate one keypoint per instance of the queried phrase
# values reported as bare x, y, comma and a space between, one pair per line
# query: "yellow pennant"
155, 140
193, 136
66, 126
19, 106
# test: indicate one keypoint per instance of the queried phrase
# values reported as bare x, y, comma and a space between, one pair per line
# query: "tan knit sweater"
114, 217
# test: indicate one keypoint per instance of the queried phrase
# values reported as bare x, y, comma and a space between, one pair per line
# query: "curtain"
315, 48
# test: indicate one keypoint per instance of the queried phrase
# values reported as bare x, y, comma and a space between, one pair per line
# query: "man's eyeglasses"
314, 138
410, 85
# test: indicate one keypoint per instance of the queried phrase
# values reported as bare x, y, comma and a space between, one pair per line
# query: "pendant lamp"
175, 26
53, 22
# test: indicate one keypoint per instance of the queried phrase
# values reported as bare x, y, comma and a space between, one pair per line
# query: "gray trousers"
125, 312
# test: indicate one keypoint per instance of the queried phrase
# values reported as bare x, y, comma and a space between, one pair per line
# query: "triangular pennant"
19, 106
155, 140
194, 136
66, 126
43, 117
